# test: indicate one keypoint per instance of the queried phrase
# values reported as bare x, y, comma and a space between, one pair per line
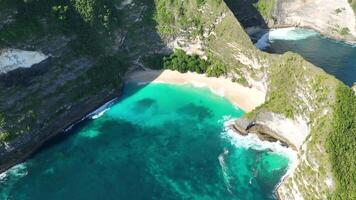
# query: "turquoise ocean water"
158, 141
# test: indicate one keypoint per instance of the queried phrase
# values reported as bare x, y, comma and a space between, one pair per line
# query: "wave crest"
291, 33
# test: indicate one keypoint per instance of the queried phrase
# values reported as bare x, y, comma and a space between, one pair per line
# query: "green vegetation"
353, 5
337, 11
345, 31
92, 23
88, 19
341, 143
171, 16
85, 8
4, 135
265, 7
164, 17
283, 78
153, 61
183, 62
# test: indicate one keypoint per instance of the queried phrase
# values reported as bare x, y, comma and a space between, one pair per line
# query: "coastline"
322, 33
220, 86
243, 97
57, 130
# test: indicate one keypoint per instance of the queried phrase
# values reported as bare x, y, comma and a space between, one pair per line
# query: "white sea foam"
224, 169
198, 84
291, 33
142, 83
10, 177
219, 92
263, 42
15, 172
252, 141
100, 111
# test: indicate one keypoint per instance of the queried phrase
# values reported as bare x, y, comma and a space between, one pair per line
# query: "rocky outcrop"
40, 97
335, 19
19, 149
39, 102
272, 127
245, 126
11, 59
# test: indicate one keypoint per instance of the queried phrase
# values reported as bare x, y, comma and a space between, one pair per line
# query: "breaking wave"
16, 172
100, 111
291, 33
253, 142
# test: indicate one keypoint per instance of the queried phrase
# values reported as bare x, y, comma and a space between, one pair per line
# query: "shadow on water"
140, 40
335, 57
249, 17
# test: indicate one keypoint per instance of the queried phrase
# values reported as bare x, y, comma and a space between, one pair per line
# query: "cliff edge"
335, 19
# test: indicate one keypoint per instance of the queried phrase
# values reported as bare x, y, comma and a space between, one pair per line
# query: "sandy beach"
243, 97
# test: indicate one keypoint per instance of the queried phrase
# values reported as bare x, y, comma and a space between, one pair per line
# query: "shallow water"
159, 141
336, 58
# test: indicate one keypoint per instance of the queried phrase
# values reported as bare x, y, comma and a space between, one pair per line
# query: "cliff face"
60, 90
297, 93
83, 65
333, 18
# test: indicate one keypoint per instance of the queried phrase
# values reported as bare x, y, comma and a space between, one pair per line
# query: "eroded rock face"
325, 16
11, 59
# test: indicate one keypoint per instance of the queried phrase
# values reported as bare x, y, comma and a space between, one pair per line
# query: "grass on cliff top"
341, 144
265, 7
353, 4
174, 16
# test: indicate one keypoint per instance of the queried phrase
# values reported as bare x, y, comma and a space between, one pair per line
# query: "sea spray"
101, 110
290, 33
224, 169
162, 140
18, 171
10, 177
252, 141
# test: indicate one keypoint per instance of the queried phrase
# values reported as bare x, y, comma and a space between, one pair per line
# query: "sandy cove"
243, 97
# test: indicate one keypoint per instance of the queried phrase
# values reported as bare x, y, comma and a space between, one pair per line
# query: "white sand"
243, 97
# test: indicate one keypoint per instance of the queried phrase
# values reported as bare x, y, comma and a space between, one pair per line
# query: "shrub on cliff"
4, 135
183, 62
341, 144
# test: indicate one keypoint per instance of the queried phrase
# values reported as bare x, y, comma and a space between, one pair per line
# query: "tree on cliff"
3, 133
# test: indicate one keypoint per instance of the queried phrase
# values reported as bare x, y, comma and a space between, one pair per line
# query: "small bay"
158, 141
335, 57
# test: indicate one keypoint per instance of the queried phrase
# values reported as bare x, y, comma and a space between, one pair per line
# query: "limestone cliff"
295, 90
35, 101
332, 18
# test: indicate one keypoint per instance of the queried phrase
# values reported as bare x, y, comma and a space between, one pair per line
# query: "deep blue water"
336, 58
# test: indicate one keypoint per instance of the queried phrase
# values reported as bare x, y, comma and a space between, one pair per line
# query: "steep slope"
295, 89
31, 111
89, 48
325, 16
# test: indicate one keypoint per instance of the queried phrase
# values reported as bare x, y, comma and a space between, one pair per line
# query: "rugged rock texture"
34, 101
333, 18
298, 94
84, 69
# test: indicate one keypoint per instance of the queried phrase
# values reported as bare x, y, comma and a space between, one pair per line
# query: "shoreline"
322, 33
18, 158
167, 77
243, 97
